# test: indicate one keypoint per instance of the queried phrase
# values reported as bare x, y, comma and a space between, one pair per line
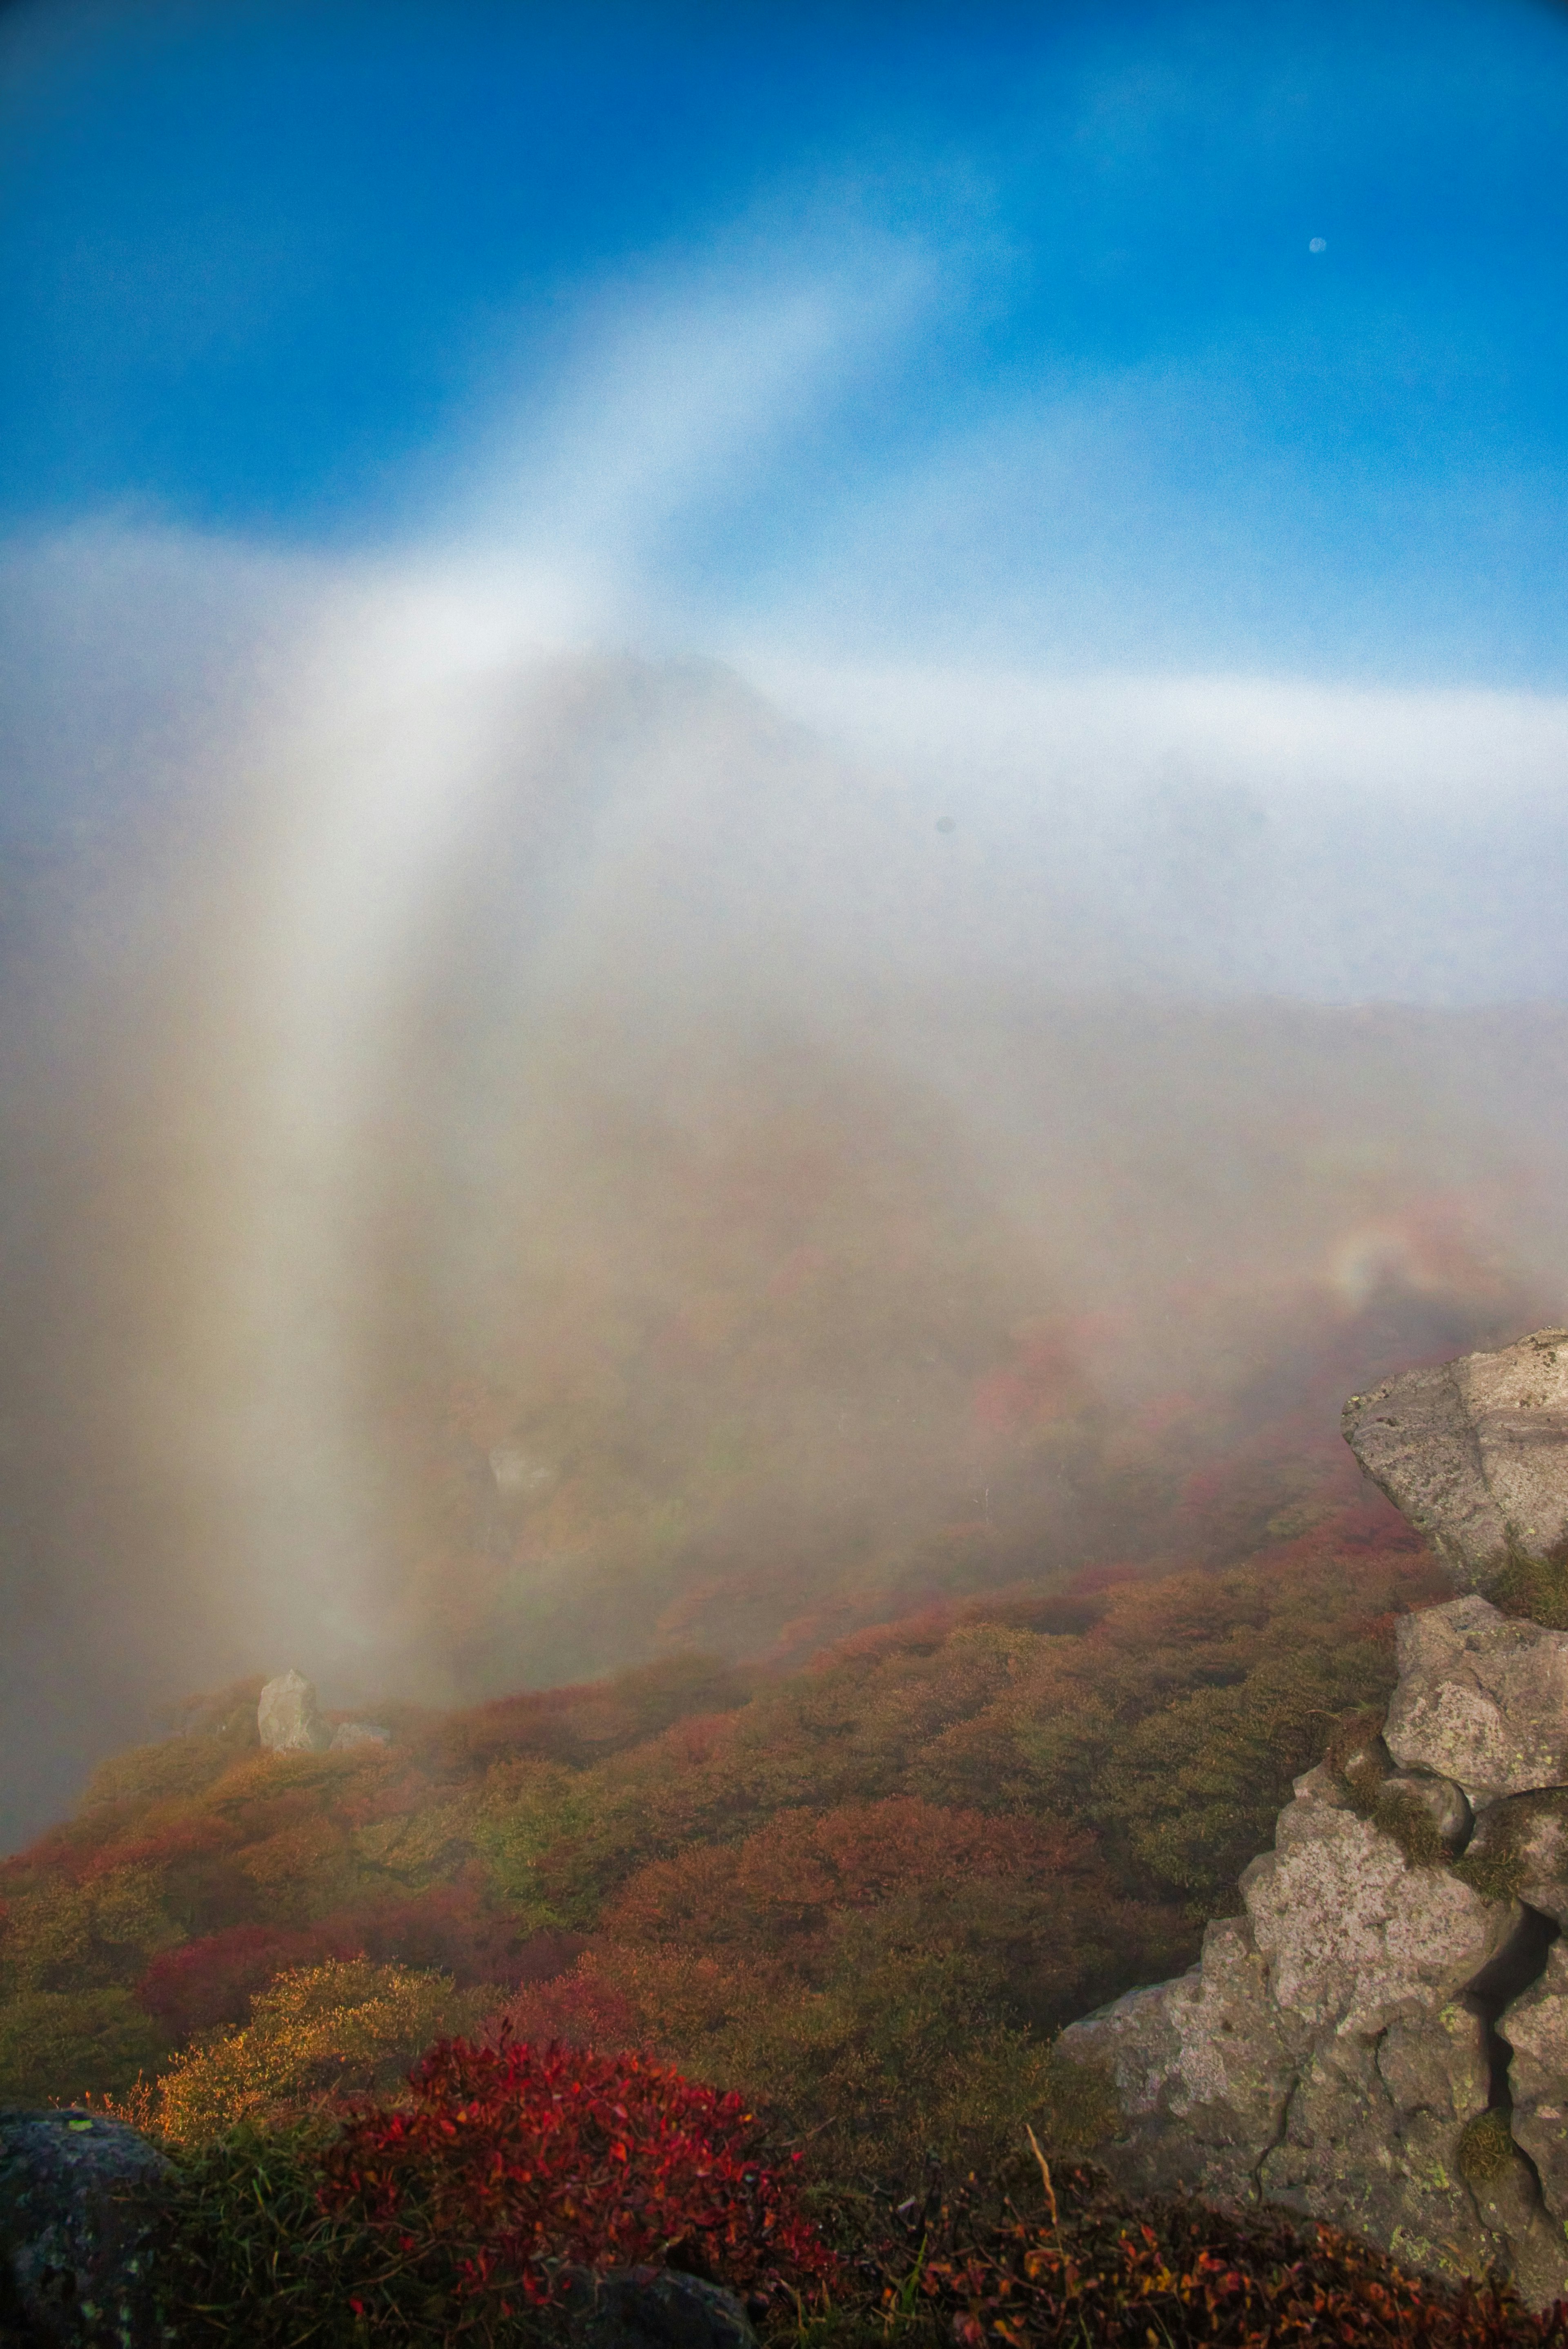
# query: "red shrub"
581, 2008
448, 1925
534, 2157
782, 1885
213, 1980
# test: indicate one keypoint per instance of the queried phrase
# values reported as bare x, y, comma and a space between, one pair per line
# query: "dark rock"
653, 2308
80, 2196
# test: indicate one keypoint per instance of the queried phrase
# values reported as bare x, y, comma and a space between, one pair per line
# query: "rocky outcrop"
1381, 2039
1482, 1700
288, 1718
80, 2199
1473, 1454
1344, 2047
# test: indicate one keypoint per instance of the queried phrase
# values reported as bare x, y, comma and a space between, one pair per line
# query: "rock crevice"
1381, 2038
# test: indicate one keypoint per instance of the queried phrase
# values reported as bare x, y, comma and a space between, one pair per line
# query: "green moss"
1533, 1588
1356, 1756
1402, 1815
1495, 1869
1486, 2148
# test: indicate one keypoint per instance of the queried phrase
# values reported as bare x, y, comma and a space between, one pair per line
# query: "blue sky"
988, 331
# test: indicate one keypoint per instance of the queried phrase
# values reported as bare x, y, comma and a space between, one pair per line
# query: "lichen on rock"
1472, 1453
80, 2199
1381, 2040
1482, 1699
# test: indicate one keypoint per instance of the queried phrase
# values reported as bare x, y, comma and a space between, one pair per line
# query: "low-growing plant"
318, 2034
1356, 1755
74, 2043
1096, 2272
1533, 1588
1400, 1813
514, 2162
901, 2054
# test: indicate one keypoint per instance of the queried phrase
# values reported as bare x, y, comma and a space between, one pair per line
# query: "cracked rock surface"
1473, 1454
1381, 2040
1482, 1700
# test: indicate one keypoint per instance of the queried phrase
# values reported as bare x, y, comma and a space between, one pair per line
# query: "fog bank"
521, 1154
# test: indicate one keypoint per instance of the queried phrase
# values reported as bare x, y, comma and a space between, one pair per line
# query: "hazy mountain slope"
506, 1173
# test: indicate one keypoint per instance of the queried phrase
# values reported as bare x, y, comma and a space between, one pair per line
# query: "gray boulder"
1482, 1699
1354, 1936
351, 1734
1203, 2069
80, 2198
288, 1718
1332, 2052
1475, 1453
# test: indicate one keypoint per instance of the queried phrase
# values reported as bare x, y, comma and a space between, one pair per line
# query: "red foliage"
1111, 2273
786, 1881
213, 1980
193, 1836
580, 2008
448, 1925
535, 2158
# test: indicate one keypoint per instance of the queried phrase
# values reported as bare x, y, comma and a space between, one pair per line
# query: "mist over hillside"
520, 1160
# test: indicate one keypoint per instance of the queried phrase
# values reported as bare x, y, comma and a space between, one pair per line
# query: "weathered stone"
1352, 1934
653, 2308
1521, 1847
1475, 1453
287, 1717
1202, 2068
1382, 2041
1435, 1805
1325, 2053
1482, 1699
350, 1734
1531, 2248
1535, 2028
80, 2196
1371, 2134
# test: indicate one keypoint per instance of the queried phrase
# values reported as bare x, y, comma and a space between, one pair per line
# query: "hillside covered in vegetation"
867, 1891
758, 1974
